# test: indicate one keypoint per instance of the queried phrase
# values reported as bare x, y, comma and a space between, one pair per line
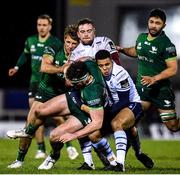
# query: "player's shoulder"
55, 39
80, 48
142, 35
32, 37
102, 39
119, 71
165, 38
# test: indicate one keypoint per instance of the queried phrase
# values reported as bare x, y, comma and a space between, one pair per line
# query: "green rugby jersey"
54, 84
34, 50
94, 94
152, 55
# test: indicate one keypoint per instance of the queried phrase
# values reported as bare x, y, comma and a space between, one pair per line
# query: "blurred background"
120, 20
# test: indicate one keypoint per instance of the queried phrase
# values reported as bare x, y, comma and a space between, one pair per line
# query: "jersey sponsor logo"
171, 49
94, 102
33, 48
153, 50
145, 59
40, 45
36, 57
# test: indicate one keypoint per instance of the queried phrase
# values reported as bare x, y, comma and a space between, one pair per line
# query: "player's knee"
173, 126
170, 120
39, 111
117, 124
53, 136
95, 137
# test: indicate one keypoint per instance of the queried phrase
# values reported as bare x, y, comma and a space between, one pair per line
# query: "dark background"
18, 21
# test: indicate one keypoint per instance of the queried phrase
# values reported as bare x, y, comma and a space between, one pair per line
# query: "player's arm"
21, 61
47, 65
97, 116
95, 124
115, 57
110, 46
130, 51
170, 71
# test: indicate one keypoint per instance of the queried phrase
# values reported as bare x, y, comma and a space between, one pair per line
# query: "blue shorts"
111, 112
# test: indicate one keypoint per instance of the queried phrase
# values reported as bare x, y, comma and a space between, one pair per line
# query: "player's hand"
148, 80
67, 137
12, 71
68, 83
119, 48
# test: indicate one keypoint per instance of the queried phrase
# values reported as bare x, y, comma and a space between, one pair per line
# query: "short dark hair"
102, 54
46, 16
76, 71
71, 30
158, 13
85, 21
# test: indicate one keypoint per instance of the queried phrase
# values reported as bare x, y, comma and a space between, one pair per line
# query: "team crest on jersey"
147, 43
33, 48
153, 50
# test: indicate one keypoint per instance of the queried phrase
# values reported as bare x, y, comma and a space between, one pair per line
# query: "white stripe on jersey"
99, 43
119, 74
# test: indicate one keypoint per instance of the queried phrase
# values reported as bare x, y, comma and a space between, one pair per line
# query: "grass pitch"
166, 156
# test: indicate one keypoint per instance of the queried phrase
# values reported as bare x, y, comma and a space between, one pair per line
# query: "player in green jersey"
33, 51
52, 82
157, 63
87, 79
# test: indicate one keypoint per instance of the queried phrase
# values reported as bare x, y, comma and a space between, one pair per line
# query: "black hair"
85, 21
76, 70
158, 13
102, 54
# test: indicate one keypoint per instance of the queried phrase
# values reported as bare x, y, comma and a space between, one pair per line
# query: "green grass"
166, 156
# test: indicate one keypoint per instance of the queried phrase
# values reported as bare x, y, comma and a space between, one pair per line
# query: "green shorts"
33, 89
43, 96
160, 98
82, 116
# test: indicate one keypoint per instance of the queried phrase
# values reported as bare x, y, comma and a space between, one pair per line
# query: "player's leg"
25, 139
71, 125
102, 145
86, 148
39, 135
124, 120
134, 141
41, 149
71, 150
